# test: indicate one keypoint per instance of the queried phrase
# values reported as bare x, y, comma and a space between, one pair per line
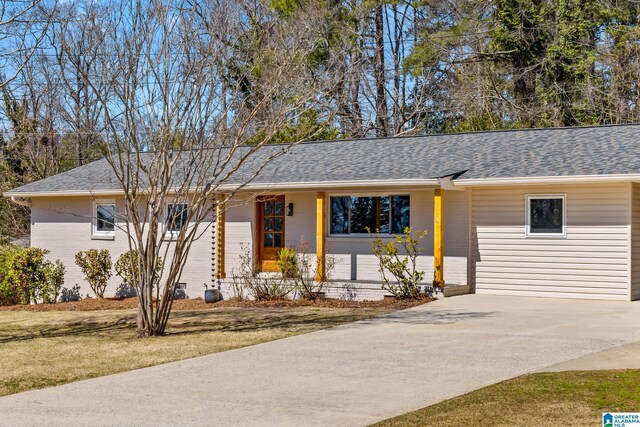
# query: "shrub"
10, 292
96, 266
70, 294
305, 270
288, 262
53, 280
403, 268
259, 286
128, 268
27, 276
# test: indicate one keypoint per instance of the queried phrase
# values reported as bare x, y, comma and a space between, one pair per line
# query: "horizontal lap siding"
635, 243
591, 262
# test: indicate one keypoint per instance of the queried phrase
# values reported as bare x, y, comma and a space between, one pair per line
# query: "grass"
51, 348
564, 398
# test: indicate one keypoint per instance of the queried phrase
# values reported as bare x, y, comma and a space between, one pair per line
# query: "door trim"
267, 265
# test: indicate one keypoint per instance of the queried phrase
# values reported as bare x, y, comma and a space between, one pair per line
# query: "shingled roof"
557, 152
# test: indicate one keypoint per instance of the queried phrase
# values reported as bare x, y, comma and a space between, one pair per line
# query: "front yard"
41, 349
572, 398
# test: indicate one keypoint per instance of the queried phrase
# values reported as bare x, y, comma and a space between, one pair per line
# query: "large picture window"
546, 216
176, 217
361, 214
104, 218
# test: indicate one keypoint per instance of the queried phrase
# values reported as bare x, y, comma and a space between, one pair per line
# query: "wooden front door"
270, 230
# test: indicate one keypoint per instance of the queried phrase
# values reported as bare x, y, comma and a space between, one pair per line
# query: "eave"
249, 187
536, 180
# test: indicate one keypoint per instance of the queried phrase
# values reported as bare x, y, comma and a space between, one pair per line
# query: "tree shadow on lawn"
188, 322
255, 321
72, 329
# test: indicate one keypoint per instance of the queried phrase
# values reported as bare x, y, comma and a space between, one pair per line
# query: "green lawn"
40, 349
548, 399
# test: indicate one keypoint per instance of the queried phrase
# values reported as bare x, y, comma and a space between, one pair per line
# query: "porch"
264, 224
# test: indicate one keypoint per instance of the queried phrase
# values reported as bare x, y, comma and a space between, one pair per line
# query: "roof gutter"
63, 193
533, 180
334, 184
251, 187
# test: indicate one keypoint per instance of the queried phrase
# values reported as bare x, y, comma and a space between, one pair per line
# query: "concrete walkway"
355, 374
623, 357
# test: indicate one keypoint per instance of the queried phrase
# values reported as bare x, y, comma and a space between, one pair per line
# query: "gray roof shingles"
596, 150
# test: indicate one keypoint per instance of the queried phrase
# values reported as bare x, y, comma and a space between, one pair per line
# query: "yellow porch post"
438, 238
219, 240
321, 249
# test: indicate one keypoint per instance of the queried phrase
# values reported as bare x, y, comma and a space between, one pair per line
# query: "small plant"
261, 287
96, 266
128, 268
402, 268
306, 273
288, 262
237, 286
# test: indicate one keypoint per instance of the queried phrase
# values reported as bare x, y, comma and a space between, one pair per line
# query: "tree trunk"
381, 98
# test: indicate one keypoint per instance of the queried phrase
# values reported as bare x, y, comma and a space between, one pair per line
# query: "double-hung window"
104, 218
387, 214
546, 216
176, 217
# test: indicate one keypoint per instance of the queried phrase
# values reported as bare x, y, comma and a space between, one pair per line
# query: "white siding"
635, 242
592, 261
63, 226
239, 232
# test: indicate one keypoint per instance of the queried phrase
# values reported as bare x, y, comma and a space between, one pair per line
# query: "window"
176, 217
273, 223
361, 214
546, 216
104, 218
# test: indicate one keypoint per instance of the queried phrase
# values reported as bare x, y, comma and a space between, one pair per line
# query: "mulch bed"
92, 304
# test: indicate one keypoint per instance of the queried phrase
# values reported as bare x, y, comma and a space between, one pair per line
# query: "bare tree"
23, 26
72, 40
175, 129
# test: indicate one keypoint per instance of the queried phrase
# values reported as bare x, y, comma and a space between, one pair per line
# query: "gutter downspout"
20, 202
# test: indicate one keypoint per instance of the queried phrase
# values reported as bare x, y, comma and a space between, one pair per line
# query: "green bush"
288, 262
96, 266
128, 267
27, 276
403, 267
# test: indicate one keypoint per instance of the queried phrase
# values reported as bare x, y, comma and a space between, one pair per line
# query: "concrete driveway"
355, 374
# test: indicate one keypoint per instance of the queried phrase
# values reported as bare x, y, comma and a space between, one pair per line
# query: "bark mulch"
92, 304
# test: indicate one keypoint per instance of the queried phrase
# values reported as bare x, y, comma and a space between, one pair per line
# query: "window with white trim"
388, 214
104, 218
546, 215
176, 217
